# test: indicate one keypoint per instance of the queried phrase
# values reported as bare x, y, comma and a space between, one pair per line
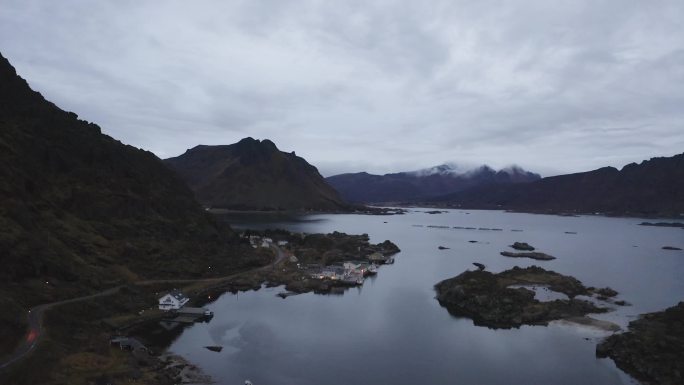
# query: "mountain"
80, 211
652, 188
421, 185
254, 175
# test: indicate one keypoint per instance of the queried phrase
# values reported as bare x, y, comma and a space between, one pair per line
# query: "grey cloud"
384, 86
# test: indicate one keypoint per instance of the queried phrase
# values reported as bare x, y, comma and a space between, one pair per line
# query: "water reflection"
392, 330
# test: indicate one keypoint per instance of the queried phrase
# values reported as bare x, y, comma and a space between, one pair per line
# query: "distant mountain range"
423, 185
254, 175
653, 188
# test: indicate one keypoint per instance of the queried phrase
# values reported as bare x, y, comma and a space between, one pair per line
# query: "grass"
75, 348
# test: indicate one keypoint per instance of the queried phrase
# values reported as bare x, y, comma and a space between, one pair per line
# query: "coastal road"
35, 325
35, 314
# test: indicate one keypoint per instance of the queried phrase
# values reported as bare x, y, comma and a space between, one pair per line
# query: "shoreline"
393, 208
365, 210
559, 213
208, 291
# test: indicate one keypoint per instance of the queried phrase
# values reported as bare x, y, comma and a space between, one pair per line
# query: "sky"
379, 86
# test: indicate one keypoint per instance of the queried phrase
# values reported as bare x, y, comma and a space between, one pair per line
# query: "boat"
372, 269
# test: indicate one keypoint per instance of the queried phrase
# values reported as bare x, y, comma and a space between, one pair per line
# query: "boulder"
533, 255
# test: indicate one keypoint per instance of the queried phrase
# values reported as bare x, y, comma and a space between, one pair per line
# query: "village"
322, 263
319, 263
330, 265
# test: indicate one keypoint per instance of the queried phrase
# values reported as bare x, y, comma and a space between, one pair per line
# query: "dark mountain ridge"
652, 188
254, 175
81, 211
422, 185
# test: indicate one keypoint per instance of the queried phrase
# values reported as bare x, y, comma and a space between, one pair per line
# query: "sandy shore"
593, 323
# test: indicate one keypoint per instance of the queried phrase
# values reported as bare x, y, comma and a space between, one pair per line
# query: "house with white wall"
173, 300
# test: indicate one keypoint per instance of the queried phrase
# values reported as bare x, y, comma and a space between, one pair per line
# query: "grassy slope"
82, 211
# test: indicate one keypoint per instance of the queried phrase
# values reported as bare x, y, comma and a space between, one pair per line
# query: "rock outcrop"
653, 349
533, 255
523, 246
488, 299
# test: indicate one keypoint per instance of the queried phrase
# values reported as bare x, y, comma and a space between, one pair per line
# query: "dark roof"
177, 294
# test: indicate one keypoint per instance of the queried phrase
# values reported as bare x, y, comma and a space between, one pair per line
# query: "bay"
392, 330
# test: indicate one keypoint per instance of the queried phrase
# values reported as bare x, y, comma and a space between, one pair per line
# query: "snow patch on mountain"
458, 169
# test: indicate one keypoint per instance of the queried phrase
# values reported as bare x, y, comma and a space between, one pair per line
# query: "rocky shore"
652, 351
663, 224
183, 372
306, 255
489, 300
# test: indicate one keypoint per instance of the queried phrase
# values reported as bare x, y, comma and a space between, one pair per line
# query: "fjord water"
392, 330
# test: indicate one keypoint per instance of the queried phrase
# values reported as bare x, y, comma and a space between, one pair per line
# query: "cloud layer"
555, 86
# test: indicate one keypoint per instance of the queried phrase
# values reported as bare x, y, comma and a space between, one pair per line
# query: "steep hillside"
653, 188
80, 211
254, 175
418, 186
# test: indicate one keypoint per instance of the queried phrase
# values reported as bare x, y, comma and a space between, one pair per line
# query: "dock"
184, 319
188, 315
192, 311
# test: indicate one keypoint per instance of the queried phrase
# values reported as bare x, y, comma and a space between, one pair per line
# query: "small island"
523, 246
653, 349
501, 301
528, 252
533, 255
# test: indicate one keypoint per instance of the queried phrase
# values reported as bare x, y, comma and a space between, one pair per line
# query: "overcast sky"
554, 86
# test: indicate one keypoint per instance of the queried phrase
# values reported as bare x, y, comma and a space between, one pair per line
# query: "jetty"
190, 315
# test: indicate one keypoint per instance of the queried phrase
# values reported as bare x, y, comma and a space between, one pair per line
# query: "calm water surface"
393, 331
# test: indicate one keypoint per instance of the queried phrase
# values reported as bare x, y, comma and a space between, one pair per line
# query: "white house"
173, 301
351, 266
254, 241
332, 272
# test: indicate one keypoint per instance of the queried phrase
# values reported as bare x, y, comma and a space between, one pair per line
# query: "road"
35, 314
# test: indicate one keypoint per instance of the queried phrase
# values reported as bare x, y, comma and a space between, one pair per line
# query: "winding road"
35, 314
